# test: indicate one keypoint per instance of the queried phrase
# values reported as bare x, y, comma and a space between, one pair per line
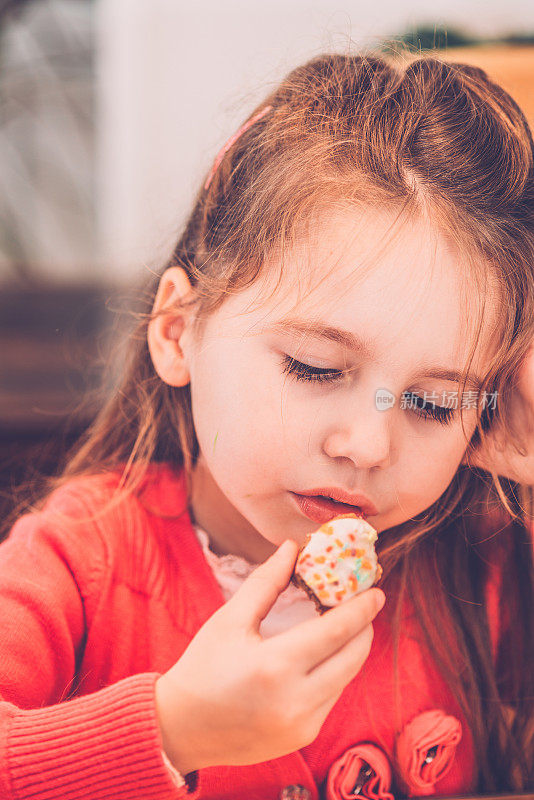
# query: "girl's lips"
322, 509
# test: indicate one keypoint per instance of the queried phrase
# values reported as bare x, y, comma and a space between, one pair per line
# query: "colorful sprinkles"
338, 560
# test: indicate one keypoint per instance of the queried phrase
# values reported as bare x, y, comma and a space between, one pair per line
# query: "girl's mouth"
322, 509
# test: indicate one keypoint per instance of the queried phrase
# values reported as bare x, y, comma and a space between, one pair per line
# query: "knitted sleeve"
101, 745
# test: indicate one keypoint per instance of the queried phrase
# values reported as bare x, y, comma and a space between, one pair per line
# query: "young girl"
348, 312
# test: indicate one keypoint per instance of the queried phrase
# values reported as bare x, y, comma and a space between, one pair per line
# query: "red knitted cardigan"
93, 611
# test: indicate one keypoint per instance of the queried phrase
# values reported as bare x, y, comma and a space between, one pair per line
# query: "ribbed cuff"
103, 746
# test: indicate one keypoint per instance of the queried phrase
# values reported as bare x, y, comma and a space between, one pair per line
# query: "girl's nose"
365, 438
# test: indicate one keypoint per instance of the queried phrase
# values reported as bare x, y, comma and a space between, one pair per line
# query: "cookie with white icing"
337, 561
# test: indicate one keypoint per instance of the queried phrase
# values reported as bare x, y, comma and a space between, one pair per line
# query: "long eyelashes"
304, 372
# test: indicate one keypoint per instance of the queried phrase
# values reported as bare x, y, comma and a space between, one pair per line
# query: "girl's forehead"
353, 260
365, 273
348, 249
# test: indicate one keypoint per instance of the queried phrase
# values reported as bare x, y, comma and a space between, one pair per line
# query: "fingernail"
380, 599
281, 548
286, 544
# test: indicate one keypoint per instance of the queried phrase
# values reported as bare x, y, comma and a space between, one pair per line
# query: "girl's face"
265, 434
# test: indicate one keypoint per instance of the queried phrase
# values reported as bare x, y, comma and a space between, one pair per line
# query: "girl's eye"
304, 372
439, 413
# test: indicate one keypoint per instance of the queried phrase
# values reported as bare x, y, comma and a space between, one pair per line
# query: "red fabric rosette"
362, 771
425, 750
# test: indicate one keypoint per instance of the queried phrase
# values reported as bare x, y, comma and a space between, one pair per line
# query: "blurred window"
47, 198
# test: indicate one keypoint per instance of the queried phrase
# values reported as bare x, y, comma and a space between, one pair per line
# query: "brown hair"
421, 136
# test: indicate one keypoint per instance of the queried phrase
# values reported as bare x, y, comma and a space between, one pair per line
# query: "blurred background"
111, 113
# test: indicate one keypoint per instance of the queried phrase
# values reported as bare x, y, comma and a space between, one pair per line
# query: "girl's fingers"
499, 455
311, 642
258, 593
321, 711
502, 458
326, 682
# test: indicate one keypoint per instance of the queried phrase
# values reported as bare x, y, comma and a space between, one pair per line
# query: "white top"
291, 607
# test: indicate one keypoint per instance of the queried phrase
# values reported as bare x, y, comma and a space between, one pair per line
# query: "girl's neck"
228, 531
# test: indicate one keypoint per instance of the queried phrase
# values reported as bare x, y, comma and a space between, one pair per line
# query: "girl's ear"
167, 332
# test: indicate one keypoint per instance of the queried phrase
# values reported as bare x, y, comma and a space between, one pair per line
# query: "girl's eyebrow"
323, 331
364, 348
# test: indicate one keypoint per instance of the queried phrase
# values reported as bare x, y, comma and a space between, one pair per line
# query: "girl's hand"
234, 698
498, 454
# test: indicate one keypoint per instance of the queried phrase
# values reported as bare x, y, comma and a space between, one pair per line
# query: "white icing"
339, 559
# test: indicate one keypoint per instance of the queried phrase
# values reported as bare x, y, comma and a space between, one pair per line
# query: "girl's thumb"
258, 593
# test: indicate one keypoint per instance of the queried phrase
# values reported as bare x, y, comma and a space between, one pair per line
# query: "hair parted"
420, 136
